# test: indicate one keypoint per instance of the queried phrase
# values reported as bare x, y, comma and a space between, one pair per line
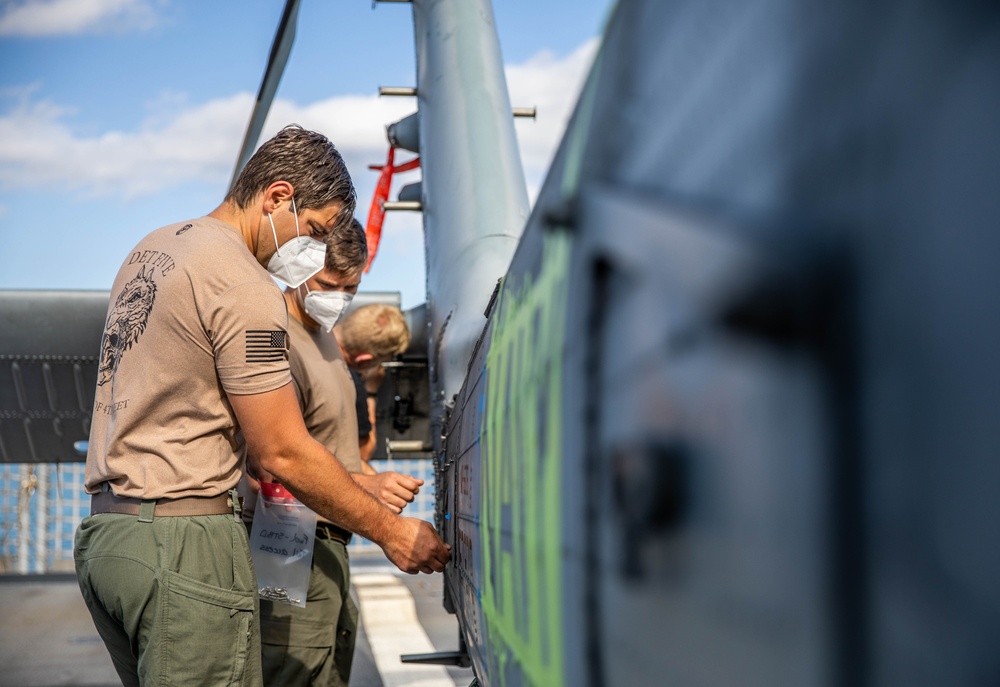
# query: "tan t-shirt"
192, 317
326, 392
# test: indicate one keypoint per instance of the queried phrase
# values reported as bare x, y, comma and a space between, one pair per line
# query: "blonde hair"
377, 329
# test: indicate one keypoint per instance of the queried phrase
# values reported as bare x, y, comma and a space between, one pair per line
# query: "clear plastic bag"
281, 545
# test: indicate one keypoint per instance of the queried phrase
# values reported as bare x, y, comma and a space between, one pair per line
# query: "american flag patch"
266, 346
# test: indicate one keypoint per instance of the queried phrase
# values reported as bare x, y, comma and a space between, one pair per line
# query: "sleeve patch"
266, 345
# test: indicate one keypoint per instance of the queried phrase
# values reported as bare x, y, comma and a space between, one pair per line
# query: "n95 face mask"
297, 260
327, 307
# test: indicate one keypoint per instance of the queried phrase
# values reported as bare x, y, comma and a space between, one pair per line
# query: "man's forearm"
275, 433
319, 481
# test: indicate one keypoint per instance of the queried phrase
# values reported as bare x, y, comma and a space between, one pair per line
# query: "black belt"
326, 530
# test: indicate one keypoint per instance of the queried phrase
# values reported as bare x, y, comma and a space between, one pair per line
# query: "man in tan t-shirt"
194, 352
314, 644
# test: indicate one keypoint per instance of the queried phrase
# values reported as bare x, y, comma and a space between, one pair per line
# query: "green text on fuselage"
521, 437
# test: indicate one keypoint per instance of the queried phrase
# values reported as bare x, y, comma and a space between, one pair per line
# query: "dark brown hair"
347, 248
309, 162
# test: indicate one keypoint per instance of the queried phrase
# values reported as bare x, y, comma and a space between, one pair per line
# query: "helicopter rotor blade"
280, 49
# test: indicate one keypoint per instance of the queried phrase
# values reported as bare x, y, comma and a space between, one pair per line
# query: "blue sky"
120, 116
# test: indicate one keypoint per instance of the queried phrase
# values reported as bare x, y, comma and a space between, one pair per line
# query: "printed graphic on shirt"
126, 322
155, 258
110, 408
266, 345
183, 229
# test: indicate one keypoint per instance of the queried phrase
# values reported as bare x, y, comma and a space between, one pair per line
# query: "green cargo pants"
175, 599
313, 646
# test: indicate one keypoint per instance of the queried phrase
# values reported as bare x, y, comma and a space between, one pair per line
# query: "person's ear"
276, 194
364, 360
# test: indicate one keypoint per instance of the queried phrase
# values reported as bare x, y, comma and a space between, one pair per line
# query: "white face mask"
297, 260
327, 307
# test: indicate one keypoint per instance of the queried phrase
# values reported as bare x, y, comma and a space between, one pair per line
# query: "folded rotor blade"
282, 46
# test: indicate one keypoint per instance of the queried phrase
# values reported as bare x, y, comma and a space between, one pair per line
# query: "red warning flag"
376, 213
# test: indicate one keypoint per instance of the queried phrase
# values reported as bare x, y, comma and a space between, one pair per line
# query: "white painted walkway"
391, 624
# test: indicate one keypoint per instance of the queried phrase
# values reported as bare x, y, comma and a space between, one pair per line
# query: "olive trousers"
314, 645
174, 599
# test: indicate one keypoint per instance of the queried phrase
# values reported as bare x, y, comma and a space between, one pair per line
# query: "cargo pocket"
296, 632
208, 631
295, 651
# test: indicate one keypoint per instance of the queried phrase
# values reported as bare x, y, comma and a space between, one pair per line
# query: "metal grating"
40, 508
42, 504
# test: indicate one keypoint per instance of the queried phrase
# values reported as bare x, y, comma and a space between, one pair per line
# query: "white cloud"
356, 124
38, 147
70, 17
551, 84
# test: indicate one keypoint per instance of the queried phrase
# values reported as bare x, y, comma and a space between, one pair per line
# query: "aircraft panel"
716, 544
775, 383
49, 342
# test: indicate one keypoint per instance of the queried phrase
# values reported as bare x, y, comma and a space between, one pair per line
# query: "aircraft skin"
731, 415
49, 343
